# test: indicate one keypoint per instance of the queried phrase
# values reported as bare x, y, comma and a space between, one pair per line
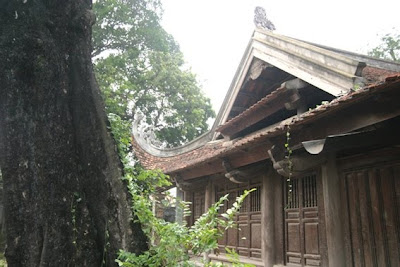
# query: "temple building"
327, 119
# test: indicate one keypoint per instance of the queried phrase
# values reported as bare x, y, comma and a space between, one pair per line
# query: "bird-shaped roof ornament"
261, 20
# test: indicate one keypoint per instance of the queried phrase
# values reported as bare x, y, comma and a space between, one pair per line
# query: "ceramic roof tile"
222, 148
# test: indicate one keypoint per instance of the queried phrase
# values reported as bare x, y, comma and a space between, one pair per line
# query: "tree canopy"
389, 48
140, 68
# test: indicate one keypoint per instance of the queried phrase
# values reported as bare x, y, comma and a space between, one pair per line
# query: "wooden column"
188, 197
208, 201
333, 212
178, 208
268, 218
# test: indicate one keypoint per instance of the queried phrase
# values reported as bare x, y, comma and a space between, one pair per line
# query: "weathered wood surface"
302, 224
332, 195
373, 201
247, 240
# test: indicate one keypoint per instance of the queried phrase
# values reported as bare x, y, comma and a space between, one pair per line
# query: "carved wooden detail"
241, 175
300, 163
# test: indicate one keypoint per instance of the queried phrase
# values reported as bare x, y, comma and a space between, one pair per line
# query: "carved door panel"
373, 204
301, 223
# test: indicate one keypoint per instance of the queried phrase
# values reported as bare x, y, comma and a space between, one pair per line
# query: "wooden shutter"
301, 222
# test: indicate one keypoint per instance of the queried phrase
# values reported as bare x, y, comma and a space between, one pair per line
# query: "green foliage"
121, 130
139, 67
170, 243
234, 259
389, 48
3, 262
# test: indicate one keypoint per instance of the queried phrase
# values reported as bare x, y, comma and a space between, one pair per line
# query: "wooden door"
302, 235
246, 238
198, 204
373, 230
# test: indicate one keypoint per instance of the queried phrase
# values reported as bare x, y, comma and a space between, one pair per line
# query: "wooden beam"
185, 185
238, 109
367, 111
257, 67
353, 117
256, 113
247, 95
202, 170
332, 72
238, 159
243, 175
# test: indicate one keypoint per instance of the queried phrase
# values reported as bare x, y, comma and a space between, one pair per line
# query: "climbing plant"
290, 166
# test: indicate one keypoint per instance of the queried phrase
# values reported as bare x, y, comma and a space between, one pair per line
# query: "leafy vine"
290, 167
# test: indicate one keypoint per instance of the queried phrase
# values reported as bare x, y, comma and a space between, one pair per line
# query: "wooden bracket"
300, 163
234, 176
182, 184
295, 100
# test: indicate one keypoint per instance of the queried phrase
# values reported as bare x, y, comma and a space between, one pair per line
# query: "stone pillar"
333, 212
268, 218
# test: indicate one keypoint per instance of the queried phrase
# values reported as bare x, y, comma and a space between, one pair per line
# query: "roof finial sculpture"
261, 20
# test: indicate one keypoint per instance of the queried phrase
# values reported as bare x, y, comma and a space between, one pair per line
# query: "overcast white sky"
213, 34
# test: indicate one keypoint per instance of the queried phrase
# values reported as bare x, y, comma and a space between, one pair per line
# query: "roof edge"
370, 61
168, 152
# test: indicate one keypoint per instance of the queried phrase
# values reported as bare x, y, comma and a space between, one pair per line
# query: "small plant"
170, 243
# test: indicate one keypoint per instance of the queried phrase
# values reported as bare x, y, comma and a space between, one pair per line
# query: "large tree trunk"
65, 202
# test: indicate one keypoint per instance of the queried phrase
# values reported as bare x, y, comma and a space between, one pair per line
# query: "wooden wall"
372, 201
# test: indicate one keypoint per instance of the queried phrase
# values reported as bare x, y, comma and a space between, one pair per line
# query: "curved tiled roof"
222, 148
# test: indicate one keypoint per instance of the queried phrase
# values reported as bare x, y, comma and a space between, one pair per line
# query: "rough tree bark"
65, 202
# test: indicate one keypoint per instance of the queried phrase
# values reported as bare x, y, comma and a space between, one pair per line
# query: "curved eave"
169, 152
319, 126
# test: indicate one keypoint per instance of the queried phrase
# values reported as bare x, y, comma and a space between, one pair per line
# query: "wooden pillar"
208, 201
178, 208
268, 218
188, 197
333, 212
